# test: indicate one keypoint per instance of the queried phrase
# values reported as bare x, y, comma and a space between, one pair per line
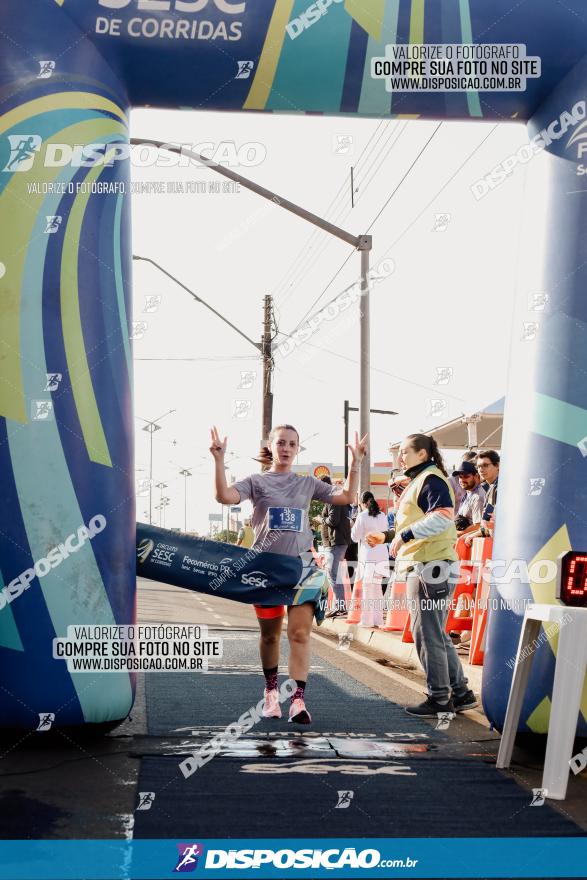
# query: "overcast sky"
450, 293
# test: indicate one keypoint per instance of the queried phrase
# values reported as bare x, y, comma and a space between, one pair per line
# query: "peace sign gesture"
358, 448
217, 446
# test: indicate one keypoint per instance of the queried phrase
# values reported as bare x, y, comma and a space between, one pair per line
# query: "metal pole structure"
349, 409
365, 375
254, 187
362, 243
185, 473
346, 438
151, 429
151, 425
267, 417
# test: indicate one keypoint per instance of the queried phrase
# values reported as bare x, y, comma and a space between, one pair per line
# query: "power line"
305, 251
409, 226
341, 267
404, 177
385, 150
313, 258
442, 188
379, 370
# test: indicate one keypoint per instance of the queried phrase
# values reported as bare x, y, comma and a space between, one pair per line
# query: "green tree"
226, 536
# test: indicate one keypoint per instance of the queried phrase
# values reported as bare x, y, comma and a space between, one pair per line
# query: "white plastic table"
569, 675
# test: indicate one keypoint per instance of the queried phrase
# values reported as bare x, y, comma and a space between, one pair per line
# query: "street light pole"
267, 417
185, 473
362, 243
151, 427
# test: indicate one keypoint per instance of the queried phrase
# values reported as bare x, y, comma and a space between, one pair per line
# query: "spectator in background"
454, 481
488, 467
246, 535
469, 511
352, 553
373, 561
458, 492
335, 527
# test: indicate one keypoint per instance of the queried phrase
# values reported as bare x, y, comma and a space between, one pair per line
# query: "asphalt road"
406, 777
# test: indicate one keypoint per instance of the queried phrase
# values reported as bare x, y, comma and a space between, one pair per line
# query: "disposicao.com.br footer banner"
304, 858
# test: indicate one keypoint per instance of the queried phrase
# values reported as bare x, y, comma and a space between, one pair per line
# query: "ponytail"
368, 499
265, 456
424, 441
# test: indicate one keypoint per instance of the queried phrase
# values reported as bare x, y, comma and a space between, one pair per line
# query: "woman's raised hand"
217, 446
358, 448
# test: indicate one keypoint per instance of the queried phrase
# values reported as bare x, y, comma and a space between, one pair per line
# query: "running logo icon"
46, 719
47, 69
344, 800
245, 68
22, 151
53, 380
146, 800
53, 223
144, 549
188, 856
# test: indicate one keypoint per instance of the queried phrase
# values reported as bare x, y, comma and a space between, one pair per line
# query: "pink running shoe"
271, 707
298, 713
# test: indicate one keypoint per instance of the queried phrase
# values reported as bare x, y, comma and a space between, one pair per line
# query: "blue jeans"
429, 593
334, 557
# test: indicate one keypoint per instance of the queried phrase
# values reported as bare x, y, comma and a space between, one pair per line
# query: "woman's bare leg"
299, 626
269, 641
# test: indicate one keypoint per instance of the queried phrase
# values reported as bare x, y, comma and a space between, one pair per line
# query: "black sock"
299, 692
270, 678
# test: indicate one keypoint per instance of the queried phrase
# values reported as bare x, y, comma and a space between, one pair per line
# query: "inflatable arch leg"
66, 427
546, 405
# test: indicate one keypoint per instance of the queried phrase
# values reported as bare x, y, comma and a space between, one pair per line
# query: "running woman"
281, 501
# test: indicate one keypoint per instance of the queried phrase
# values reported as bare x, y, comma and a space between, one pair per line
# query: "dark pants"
428, 602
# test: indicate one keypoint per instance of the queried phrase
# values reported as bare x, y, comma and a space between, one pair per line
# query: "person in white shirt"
373, 561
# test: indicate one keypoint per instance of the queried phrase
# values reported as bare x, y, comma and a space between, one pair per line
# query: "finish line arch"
69, 74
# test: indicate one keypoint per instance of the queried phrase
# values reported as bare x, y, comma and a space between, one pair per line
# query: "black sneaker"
467, 701
430, 708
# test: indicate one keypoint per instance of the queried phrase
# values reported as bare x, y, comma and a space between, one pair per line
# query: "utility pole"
267, 417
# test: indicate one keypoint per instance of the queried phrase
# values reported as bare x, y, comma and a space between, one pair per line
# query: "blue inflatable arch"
70, 71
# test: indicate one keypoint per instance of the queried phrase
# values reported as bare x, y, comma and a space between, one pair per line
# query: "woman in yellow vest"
246, 535
423, 547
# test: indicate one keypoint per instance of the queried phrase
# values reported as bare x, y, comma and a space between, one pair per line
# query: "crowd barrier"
469, 606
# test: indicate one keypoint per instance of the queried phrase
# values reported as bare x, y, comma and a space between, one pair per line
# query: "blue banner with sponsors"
245, 575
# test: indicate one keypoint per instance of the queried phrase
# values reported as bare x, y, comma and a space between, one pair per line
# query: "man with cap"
468, 512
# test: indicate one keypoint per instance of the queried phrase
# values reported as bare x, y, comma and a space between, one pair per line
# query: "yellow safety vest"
441, 546
248, 537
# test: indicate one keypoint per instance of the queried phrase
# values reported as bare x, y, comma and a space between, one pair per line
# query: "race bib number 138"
288, 519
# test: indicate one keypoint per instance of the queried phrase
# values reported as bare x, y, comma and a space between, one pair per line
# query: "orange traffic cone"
407, 634
398, 612
355, 610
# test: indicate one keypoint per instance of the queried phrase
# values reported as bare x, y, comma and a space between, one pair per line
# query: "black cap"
467, 467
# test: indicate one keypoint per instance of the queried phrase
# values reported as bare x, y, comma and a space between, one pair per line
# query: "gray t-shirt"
472, 504
280, 509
